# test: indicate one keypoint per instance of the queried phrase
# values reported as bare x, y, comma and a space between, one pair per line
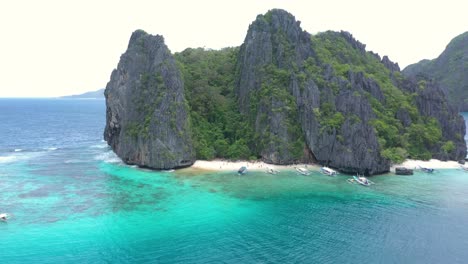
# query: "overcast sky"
53, 48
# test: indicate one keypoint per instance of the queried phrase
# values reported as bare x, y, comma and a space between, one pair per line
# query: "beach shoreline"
432, 164
227, 165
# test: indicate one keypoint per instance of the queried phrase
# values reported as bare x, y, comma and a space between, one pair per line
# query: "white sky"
53, 48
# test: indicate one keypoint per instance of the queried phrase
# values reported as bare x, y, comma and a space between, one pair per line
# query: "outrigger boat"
4, 217
328, 171
242, 170
428, 170
303, 171
271, 171
361, 180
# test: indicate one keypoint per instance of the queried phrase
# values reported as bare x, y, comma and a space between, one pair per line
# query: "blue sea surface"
73, 201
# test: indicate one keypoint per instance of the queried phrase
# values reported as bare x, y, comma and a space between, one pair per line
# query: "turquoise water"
74, 202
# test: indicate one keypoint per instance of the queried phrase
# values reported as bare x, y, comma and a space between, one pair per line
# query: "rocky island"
284, 96
146, 111
449, 70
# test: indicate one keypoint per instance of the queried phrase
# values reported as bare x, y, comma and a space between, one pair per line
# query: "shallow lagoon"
74, 202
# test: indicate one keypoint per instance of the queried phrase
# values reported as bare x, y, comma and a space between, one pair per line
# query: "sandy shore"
432, 164
225, 165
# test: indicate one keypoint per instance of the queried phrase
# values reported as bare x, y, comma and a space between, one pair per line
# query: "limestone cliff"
285, 96
146, 113
287, 110
326, 98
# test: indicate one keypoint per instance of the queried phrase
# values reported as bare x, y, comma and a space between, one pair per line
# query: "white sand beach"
227, 165
432, 164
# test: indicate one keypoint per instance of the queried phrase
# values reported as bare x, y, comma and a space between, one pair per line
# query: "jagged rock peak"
277, 20
354, 43
146, 113
362, 48
143, 41
392, 66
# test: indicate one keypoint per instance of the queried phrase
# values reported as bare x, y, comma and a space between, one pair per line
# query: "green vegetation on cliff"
218, 128
273, 100
396, 140
284, 96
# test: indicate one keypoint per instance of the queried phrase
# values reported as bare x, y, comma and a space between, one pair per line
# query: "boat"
4, 217
271, 171
303, 171
328, 171
242, 170
428, 170
362, 180
465, 168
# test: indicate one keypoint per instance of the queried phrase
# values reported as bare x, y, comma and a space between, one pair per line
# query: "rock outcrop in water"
147, 115
284, 96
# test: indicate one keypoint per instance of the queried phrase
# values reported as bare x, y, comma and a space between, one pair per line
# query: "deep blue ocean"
73, 201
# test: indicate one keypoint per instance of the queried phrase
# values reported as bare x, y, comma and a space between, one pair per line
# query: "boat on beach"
328, 171
242, 170
428, 170
271, 171
303, 171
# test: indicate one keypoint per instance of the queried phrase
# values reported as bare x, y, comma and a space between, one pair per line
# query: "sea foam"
109, 157
51, 148
99, 146
19, 156
8, 159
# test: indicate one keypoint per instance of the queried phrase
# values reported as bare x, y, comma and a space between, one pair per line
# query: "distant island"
99, 94
449, 70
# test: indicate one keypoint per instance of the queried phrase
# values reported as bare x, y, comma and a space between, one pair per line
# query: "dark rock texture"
146, 116
432, 102
275, 45
265, 88
403, 171
449, 70
277, 41
301, 98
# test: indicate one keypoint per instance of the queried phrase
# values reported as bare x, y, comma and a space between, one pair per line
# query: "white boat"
465, 168
242, 170
362, 180
303, 171
428, 170
4, 217
271, 171
328, 171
